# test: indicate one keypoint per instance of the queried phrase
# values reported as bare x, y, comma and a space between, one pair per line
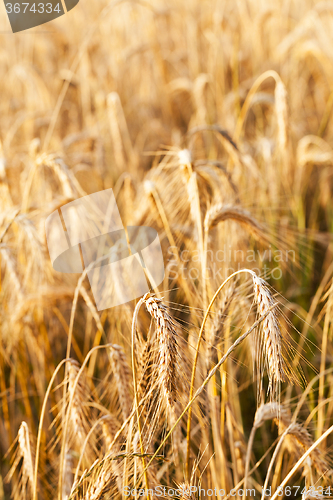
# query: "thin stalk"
40, 427
271, 463
327, 329
247, 460
307, 390
135, 316
70, 403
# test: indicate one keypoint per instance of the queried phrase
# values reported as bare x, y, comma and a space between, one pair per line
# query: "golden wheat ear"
168, 358
298, 441
297, 438
272, 340
22, 487
169, 376
110, 427
96, 483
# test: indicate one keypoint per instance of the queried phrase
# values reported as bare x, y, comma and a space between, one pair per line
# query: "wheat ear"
300, 440
300, 461
186, 492
299, 437
168, 348
67, 481
272, 337
23, 452
100, 486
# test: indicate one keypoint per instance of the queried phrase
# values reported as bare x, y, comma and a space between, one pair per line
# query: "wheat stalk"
68, 475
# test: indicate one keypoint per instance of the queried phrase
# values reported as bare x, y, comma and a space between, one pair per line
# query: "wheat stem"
134, 322
271, 463
40, 426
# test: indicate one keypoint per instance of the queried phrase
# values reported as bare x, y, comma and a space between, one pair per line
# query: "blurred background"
107, 96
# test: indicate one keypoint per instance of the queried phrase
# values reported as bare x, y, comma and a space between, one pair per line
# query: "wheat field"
212, 123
